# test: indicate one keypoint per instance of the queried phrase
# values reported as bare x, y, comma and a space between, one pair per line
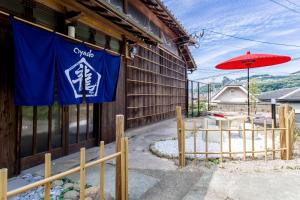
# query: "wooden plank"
221, 144
101, 171
119, 135
252, 138
179, 130
195, 141
273, 139
287, 126
282, 125
3, 184
123, 165
47, 186
126, 168
244, 139
34, 131
266, 139
82, 174
229, 138
206, 138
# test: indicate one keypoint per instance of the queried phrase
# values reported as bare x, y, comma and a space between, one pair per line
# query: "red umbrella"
252, 61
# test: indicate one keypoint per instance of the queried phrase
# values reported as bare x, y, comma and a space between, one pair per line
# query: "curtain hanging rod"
61, 34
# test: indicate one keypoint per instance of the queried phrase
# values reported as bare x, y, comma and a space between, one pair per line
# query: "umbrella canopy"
252, 61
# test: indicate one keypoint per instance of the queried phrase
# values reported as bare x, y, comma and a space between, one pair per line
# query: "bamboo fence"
121, 157
287, 127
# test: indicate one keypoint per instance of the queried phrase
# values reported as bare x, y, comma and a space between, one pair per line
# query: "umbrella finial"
248, 52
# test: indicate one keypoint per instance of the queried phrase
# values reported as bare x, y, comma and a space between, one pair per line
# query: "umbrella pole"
248, 69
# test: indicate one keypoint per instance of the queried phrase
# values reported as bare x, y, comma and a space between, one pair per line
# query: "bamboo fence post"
119, 134
3, 184
123, 169
244, 138
101, 171
287, 126
183, 143
195, 141
126, 168
282, 125
47, 186
266, 139
206, 139
179, 131
221, 143
82, 174
273, 139
252, 138
229, 138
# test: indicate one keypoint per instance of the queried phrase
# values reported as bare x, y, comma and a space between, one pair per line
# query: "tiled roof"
281, 94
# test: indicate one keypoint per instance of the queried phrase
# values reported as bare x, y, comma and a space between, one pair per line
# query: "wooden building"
152, 79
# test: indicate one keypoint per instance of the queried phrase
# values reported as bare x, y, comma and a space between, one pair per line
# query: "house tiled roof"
286, 94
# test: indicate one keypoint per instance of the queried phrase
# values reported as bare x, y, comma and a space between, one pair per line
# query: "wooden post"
195, 141
126, 168
82, 174
221, 143
179, 131
252, 131
229, 138
282, 132
123, 165
273, 139
206, 139
183, 143
3, 184
47, 174
266, 139
244, 139
287, 126
119, 134
101, 171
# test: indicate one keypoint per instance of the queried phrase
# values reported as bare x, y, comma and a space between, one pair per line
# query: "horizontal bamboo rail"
285, 145
155, 73
121, 157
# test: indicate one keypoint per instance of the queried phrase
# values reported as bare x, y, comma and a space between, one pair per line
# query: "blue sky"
256, 19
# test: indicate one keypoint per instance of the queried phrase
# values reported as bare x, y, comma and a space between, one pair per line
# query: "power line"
252, 40
292, 3
282, 5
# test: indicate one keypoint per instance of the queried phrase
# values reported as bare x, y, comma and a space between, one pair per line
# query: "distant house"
231, 94
286, 95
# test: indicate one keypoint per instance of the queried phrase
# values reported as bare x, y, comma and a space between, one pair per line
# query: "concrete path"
154, 178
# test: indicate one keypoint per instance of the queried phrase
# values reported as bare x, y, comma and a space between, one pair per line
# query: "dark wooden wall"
8, 112
110, 110
155, 86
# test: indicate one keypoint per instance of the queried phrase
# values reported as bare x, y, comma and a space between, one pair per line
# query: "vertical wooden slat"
123, 165
229, 138
244, 139
179, 131
183, 142
49, 128
206, 138
221, 143
266, 139
3, 184
82, 174
287, 126
47, 174
252, 138
102, 171
126, 168
87, 121
77, 123
283, 134
34, 131
273, 139
119, 134
195, 141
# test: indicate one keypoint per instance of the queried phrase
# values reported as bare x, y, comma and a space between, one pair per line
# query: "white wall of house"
232, 95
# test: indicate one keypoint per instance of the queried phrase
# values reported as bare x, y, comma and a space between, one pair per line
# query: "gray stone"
76, 187
57, 183
68, 186
72, 194
92, 192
